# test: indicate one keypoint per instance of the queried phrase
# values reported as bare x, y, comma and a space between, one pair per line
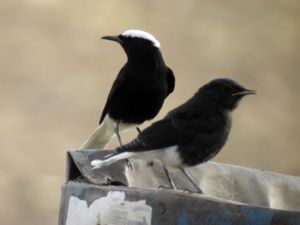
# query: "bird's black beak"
245, 92
113, 38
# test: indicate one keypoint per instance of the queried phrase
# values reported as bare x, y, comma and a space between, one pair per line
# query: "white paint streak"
112, 209
142, 34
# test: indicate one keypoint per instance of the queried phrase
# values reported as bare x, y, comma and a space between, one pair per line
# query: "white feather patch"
167, 156
142, 34
106, 162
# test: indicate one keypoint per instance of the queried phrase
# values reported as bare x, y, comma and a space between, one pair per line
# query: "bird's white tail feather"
104, 134
101, 136
100, 163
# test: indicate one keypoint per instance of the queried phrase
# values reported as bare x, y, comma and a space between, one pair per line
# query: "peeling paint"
112, 209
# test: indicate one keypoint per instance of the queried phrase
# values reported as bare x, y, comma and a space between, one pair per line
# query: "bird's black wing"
170, 80
178, 127
209, 130
209, 127
192, 119
159, 135
118, 83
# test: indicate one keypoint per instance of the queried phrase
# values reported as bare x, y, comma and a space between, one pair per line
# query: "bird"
139, 90
188, 135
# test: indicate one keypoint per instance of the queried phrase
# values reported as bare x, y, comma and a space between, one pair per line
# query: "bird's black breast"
140, 97
205, 144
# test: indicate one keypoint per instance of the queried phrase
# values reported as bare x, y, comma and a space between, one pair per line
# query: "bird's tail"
110, 159
101, 136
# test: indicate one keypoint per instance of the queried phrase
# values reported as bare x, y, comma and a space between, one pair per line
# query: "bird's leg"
150, 163
169, 179
117, 132
138, 130
191, 180
116, 129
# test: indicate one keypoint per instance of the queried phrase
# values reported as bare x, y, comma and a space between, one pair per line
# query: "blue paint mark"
184, 219
82, 193
258, 216
297, 220
219, 219
87, 152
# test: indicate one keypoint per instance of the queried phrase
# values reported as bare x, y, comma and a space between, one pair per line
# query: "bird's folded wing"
177, 128
118, 83
196, 121
159, 135
170, 80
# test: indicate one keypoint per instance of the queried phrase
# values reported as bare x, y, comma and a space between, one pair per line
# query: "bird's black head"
136, 43
226, 92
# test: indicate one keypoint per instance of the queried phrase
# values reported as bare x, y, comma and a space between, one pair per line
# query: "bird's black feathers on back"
137, 96
198, 128
159, 135
179, 127
141, 86
114, 91
170, 80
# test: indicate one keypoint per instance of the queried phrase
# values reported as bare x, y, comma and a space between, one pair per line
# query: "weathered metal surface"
84, 203
172, 207
230, 182
78, 166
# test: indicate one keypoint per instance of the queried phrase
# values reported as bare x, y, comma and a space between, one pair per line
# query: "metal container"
102, 197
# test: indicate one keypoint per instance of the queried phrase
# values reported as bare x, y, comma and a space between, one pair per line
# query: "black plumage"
139, 90
189, 134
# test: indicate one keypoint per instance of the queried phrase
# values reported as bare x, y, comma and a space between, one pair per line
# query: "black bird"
189, 134
139, 90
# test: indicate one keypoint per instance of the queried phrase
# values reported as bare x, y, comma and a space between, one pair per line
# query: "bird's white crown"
142, 34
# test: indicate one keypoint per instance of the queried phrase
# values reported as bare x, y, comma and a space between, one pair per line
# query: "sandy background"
55, 74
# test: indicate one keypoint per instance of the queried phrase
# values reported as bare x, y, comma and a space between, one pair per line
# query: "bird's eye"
135, 42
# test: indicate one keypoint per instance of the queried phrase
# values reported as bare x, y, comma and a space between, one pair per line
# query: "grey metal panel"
78, 166
172, 207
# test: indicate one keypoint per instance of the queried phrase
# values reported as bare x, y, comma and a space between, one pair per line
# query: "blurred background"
55, 74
